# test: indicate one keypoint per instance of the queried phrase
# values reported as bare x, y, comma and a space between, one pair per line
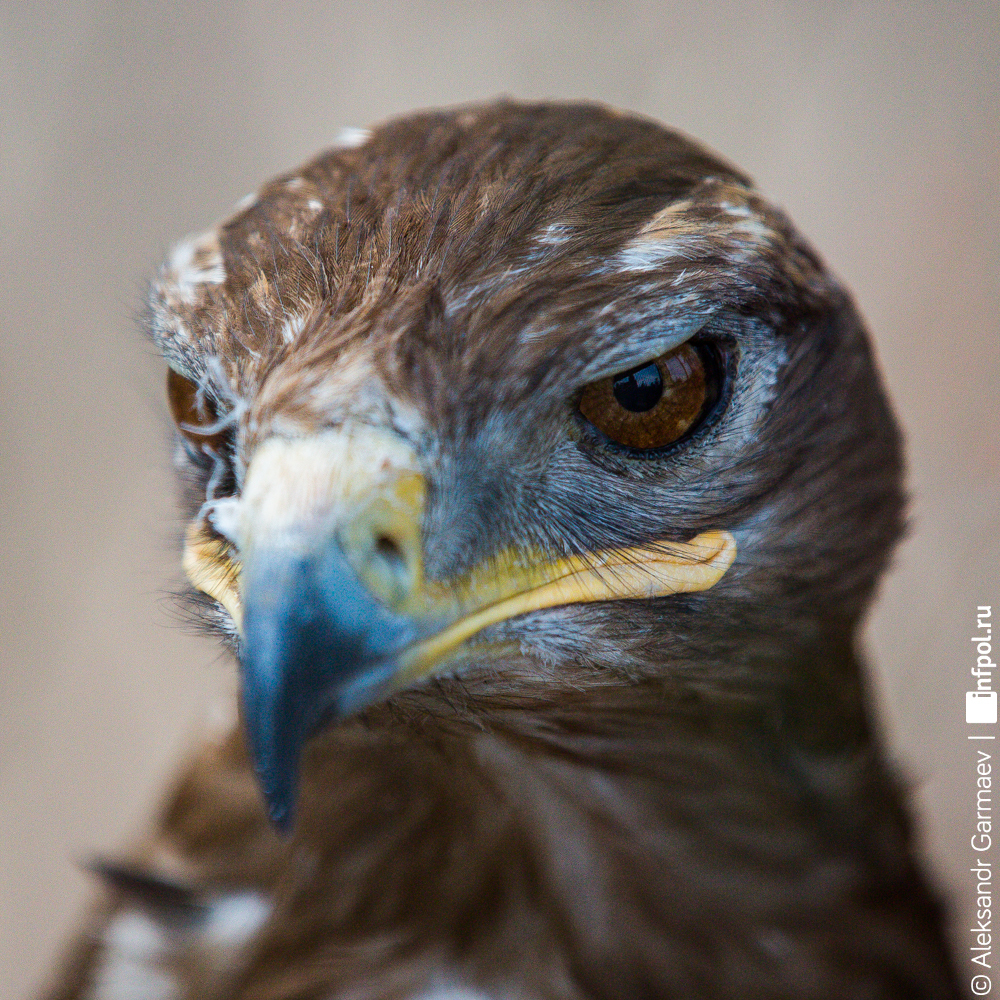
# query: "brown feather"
674, 797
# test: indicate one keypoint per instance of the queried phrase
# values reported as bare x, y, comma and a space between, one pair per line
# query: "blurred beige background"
124, 126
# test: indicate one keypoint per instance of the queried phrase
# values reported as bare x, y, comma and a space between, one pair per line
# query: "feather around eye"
658, 403
194, 413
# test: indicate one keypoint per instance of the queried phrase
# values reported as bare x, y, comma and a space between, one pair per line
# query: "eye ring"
655, 408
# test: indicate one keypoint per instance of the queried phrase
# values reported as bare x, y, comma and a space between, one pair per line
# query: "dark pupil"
640, 389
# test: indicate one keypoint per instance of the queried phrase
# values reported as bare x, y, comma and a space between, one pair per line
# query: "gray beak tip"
317, 647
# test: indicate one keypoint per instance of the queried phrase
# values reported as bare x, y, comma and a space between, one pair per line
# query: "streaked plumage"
379, 364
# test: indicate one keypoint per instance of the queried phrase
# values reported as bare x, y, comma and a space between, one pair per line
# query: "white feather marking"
350, 138
675, 233
246, 202
215, 372
215, 375
737, 209
314, 204
133, 933
293, 326
407, 419
754, 227
647, 256
194, 262
294, 183
130, 968
233, 920
137, 949
554, 234
224, 516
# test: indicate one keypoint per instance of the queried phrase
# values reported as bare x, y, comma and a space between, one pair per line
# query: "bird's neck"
639, 833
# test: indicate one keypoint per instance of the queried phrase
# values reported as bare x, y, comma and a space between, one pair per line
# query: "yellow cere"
360, 488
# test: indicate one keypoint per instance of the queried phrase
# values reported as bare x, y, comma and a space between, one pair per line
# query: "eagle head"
505, 407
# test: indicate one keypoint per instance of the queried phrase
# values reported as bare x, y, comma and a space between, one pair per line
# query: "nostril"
389, 550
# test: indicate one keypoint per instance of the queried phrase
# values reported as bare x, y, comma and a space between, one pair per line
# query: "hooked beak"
315, 644
323, 576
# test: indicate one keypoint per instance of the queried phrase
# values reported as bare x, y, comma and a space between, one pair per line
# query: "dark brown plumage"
647, 789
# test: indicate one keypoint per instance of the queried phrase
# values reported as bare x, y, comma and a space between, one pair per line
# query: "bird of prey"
538, 474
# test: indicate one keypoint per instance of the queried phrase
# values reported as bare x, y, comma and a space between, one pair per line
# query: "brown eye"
657, 403
196, 418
